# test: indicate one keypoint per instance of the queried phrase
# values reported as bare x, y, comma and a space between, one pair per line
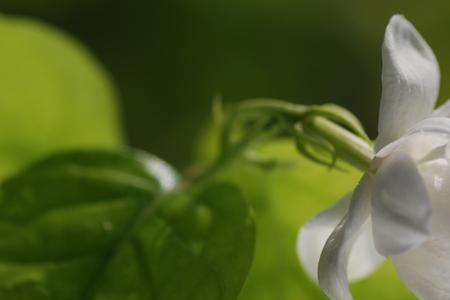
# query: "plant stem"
227, 157
350, 147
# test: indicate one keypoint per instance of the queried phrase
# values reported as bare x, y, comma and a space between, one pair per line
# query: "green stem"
225, 158
272, 105
349, 147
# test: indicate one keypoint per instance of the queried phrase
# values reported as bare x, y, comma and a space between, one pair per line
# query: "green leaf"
283, 200
103, 225
54, 95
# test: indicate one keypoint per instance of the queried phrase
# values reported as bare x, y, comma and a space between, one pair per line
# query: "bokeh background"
169, 57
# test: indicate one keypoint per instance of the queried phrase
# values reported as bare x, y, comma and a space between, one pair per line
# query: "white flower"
401, 206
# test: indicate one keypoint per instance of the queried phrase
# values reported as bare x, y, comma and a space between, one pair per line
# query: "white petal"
335, 255
421, 139
313, 235
410, 81
417, 145
364, 258
432, 125
401, 209
426, 269
443, 110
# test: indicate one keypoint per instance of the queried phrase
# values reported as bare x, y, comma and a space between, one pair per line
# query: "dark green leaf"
101, 225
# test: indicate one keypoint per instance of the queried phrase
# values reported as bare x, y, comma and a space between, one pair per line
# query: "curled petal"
410, 81
438, 125
313, 235
401, 209
335, 255
427, 135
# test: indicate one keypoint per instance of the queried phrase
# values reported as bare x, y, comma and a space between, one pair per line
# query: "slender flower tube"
401, 206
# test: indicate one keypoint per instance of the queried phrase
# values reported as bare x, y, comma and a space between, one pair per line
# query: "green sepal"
340, 115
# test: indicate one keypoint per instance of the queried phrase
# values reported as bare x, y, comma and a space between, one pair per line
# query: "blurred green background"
169, 57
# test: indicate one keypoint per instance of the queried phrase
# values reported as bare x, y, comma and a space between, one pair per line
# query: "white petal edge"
410, 81
335, 255
443, 110
401, 208
313, 235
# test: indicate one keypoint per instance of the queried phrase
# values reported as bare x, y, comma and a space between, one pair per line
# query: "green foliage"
54, 95
211, 250
98, 225
283, 200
